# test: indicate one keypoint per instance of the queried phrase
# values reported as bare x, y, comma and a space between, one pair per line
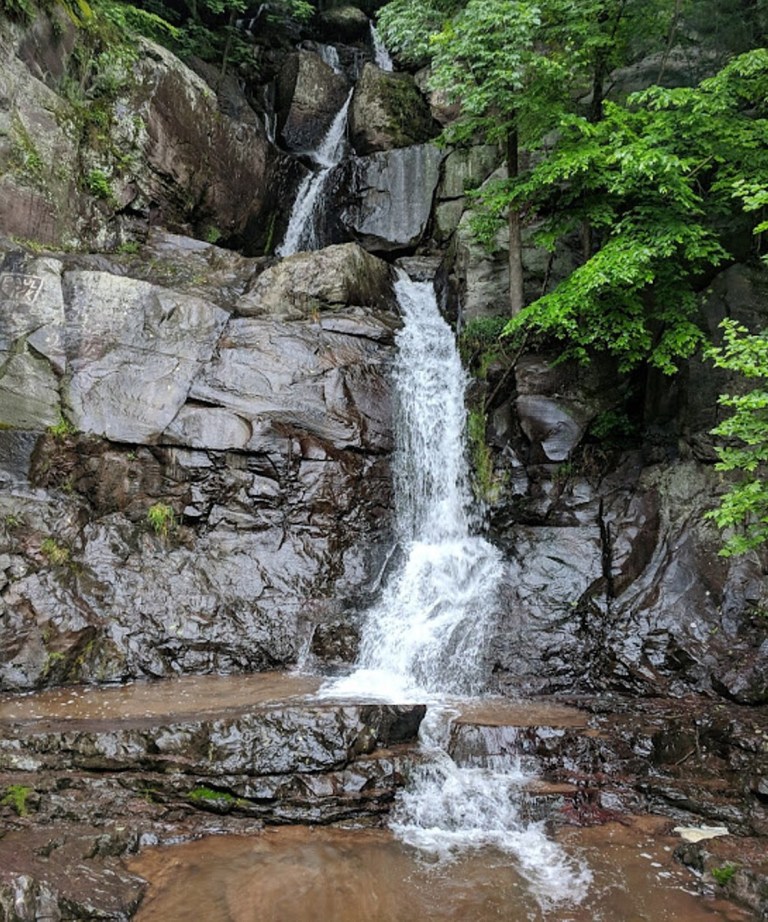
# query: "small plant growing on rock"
57, 554
16, 796
217, 801
62, 429
161, 518
97, 183
724, 873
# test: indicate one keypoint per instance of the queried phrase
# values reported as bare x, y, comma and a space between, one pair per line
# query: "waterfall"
427, 636
302, 231
330, 55
381, 56
429, 631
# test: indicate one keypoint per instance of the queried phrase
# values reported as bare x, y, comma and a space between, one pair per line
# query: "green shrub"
724, 873
161, 518
62, 429
97, 183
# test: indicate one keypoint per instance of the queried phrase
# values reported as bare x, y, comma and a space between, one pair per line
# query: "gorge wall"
195, 444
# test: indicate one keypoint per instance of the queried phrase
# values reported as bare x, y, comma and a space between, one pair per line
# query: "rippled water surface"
336, 875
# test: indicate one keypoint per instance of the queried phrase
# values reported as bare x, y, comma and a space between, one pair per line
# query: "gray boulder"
309, 95
391, 195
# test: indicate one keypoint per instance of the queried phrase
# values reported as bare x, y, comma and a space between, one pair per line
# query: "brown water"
192, 695
341, 875
181, 697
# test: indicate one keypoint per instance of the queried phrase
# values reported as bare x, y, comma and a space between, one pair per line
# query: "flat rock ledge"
79, 794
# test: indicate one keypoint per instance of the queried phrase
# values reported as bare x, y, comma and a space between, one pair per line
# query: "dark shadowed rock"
344, 24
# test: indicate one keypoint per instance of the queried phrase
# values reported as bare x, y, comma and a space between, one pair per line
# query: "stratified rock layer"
219, 479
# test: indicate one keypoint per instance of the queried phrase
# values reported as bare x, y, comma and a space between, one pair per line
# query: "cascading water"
428, 632
330, 55
381, 56
427, 636
302, 230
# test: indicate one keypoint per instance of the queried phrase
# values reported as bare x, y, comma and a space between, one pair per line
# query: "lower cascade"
426, 638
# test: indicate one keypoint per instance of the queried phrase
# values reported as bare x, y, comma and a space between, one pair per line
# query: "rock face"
172, 156
388, 111
257, 429
614, 579
170, 777
390, 198
309, 95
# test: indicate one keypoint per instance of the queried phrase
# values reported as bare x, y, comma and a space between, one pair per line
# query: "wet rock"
388, 111
144, 347
391, 196
309, 95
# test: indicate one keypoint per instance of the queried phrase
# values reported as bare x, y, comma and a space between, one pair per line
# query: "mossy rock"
388, 111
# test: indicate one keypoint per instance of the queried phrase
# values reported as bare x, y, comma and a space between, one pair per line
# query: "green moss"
25, 157
480, 456
203, 795
16, 796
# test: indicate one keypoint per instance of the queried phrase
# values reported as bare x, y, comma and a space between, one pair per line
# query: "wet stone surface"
163, 773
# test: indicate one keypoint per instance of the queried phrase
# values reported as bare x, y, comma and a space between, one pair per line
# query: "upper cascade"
382, 57
301, 233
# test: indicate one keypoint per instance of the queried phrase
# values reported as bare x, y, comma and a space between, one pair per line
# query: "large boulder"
388, 111
199, 166
306, 282
344, 23
309, 96
164, 151
390, 197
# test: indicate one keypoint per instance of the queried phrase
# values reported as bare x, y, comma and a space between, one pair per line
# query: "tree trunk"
516, 296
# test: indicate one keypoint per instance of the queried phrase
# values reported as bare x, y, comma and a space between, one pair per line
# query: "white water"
427, 637
381, 56
302, 233
428, 633
330, 55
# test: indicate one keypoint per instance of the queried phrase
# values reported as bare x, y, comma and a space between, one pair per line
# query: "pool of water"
181, 697
300, 874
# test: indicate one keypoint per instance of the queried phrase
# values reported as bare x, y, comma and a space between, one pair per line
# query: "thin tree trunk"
516, 295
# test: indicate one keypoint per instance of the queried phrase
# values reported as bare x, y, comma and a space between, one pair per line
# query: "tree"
515, 68
745, 505
656, 179
486, 55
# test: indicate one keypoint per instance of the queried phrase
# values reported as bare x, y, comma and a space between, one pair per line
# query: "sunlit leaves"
745, 506
653, 180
